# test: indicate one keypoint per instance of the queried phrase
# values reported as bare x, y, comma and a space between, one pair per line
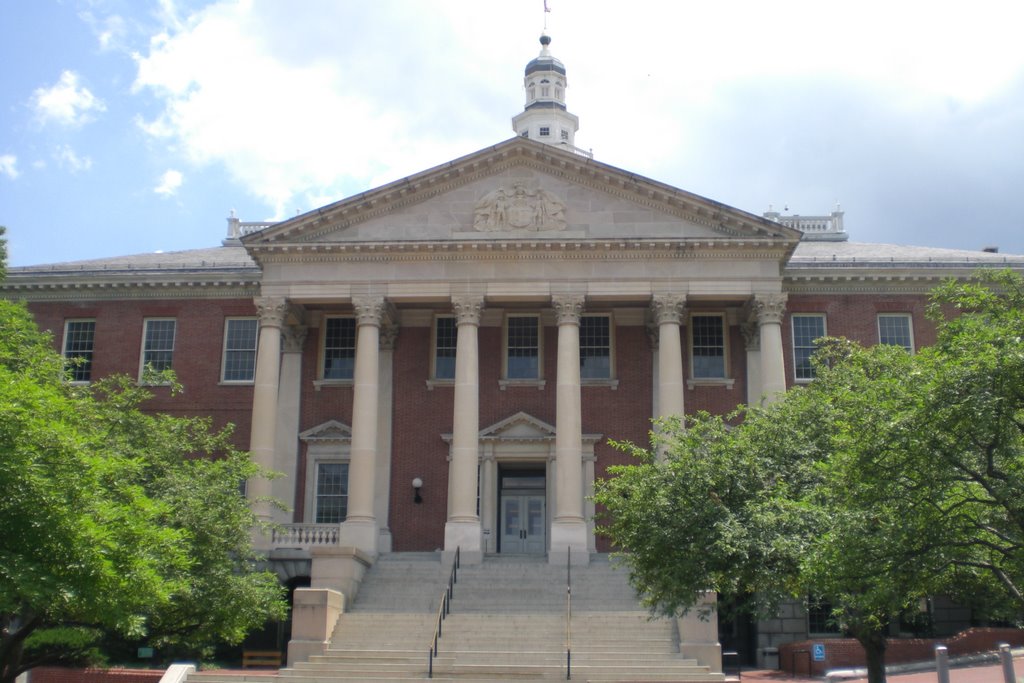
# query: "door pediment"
523, 428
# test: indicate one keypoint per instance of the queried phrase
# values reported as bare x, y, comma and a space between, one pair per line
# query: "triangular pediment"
332, 430
521, 426
518, 190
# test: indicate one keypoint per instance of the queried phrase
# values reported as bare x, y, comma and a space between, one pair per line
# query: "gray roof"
225, 258
812, 254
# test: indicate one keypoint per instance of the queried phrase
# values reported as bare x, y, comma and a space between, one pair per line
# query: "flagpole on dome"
547, 10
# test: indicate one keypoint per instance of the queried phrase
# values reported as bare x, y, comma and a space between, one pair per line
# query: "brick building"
439, 362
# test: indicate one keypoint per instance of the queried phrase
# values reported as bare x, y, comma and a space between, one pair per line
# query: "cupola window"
545, 131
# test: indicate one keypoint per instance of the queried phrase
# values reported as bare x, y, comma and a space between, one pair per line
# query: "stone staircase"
508, 622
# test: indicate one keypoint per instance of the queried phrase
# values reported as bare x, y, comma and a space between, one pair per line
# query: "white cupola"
545, 117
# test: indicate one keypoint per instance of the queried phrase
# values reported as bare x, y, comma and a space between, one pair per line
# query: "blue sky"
131, 126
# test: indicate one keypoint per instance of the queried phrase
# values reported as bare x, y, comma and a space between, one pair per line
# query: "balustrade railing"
306, 535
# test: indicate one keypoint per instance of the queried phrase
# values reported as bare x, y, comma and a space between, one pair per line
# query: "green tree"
114, 519
891, 477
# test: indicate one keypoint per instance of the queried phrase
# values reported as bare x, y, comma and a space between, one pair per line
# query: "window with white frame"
595, 347
445, 341
79, 338
807, 327
565, 135
545, 131
339, 355
157, 345
331, 495
896, 329
522, 347
239, 360
707, 346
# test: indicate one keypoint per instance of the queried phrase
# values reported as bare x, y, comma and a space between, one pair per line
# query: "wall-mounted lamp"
417, 484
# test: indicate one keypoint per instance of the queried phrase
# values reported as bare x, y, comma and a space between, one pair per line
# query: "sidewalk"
981, 673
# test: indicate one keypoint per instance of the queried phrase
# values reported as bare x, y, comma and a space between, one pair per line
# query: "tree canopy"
114, 519
889, 478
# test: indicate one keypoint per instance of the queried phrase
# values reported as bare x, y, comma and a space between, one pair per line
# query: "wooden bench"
261, 658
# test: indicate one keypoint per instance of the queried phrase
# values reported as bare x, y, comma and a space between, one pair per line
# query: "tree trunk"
14, 629
874, 651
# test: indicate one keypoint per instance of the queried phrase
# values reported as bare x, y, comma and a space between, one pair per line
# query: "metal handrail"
568, 614
443, 610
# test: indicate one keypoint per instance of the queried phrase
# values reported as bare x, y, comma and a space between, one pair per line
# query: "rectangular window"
339, 348
157, 345
595, 347
806, 328
545, 131
895, 329
331, 492
79, 337
523, 347
819, 617
565, 135
239, 364
707, 335
445, 338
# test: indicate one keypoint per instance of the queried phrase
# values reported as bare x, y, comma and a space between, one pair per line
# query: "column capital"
751, 332
388, 335
271, 310
568, 308
769, 308
668, 308
293, 337
467, 309
369, 310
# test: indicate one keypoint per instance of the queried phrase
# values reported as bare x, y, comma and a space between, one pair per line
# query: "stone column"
752, 341
293, 337
569, 528
770, 309
668, 310
360, 526
264, 405
385, 380
462, 530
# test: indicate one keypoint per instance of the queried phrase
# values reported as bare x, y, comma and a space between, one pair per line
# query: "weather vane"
547, 10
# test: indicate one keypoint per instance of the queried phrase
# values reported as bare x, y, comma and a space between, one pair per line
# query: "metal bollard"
942, 663
1006, 657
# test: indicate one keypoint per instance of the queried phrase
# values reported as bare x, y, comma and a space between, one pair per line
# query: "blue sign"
819, 652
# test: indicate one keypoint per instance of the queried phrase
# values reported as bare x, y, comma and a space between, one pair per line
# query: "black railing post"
568, 613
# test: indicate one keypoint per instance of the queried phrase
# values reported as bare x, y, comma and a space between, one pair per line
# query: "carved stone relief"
519, 207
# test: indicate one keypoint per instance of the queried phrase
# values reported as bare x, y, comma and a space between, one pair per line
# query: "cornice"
903, 279
94, 290
516, 153
525, 249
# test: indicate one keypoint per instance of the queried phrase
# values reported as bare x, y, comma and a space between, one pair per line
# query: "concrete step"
507, 623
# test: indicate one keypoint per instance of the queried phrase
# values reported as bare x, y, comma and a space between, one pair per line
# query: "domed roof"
544, 61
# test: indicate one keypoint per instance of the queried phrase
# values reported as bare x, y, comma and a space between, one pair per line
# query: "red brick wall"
422, 415
842, 653
198, 343
59, 675
855, 316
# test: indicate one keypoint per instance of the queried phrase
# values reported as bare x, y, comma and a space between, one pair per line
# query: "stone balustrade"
305, 535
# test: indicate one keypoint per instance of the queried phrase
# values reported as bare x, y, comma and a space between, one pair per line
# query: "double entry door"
522, 524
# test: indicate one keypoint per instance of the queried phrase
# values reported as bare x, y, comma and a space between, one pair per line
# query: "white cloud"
111, 31
66, 102
169, 183
69, 160
9, 166
296, 115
